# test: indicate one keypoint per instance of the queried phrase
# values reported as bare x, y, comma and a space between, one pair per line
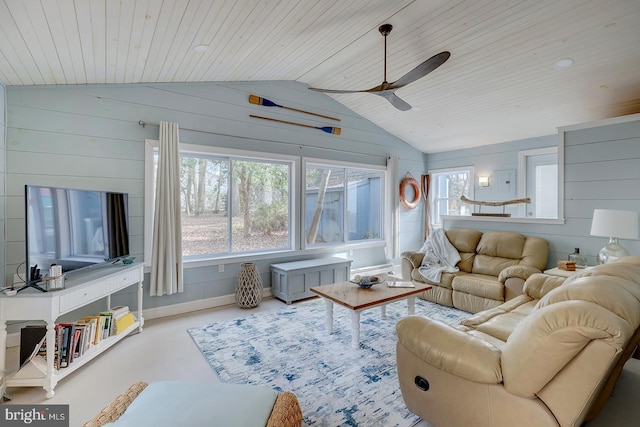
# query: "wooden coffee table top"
350, 295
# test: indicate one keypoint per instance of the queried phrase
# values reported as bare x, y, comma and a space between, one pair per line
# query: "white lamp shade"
615, 223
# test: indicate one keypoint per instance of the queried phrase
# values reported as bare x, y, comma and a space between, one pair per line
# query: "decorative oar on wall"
327, 129
255, 99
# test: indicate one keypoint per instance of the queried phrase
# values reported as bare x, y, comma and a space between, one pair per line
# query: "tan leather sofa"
547, 358
493, 268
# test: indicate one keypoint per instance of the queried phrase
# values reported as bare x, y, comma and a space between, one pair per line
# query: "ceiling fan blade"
394, 100
335, 90
421, 70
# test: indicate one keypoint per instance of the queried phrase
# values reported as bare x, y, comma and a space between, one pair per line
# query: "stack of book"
74, 339
567, 265
121, 319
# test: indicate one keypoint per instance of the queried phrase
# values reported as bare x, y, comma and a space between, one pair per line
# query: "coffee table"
356, 299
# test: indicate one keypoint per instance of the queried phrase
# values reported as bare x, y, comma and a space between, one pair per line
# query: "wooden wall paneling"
90, 137
600, 172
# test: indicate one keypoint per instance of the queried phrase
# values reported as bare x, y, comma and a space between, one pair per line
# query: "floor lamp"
614, 224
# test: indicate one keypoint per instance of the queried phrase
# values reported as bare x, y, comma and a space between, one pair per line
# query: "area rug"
289, 349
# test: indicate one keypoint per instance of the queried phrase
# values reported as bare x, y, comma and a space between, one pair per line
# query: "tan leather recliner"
547, 358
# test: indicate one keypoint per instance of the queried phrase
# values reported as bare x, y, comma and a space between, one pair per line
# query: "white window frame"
296, 222
385, 213
152, 145
433, 196
522, 177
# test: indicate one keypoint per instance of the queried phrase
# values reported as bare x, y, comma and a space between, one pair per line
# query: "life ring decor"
416, 192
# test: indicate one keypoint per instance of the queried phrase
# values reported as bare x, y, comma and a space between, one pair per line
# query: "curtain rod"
142, 123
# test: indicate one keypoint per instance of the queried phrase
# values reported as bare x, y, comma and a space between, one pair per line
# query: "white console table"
81, 288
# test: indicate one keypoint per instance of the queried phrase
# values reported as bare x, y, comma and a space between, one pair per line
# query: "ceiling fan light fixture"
563, 63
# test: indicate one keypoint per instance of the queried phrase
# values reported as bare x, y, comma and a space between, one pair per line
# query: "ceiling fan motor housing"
385, 29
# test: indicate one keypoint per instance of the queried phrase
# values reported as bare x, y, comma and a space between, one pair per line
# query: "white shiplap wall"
601, 171
88, 137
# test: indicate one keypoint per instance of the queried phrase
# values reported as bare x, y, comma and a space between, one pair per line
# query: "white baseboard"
187, 307
13, 339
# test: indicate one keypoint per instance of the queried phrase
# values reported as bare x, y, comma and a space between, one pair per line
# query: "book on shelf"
106, 324
58, 352
123, 322
121, 318
31, 336
72, 340
118, 311
35, 348
94, 323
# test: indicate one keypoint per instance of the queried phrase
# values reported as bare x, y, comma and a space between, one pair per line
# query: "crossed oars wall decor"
257, 100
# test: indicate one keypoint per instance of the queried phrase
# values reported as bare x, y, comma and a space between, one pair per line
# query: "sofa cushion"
472, 303
465, 241
480, 285
501, 327
617, 295
547, 340
439, 295
498, 250
535, 252
507, 307
445, 278
501, 244
491, 265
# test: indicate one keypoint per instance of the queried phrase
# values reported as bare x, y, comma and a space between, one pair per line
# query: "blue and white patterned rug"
289, 349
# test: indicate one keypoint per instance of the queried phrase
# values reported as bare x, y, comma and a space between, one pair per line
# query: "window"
342, 204
240, 204
447, 185
232, 204
539, 182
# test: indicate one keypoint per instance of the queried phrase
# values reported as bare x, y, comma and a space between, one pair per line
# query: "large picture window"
240, 204
233, 205
342, 204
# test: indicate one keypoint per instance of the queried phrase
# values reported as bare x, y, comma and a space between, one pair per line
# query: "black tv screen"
74, 228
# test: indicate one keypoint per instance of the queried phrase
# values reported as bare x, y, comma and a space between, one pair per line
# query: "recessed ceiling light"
200, 48
564, 63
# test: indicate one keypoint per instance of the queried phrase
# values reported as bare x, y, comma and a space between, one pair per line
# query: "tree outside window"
233, 205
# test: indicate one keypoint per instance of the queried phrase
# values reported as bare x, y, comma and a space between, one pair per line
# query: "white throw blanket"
439, 256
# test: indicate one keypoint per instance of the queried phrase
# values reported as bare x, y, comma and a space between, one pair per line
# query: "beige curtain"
166, 256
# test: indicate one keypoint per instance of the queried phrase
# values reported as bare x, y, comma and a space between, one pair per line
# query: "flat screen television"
73, 228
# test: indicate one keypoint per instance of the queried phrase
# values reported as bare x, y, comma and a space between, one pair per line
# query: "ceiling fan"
386, 89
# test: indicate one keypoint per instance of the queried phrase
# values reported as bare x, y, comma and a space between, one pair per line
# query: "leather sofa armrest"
518, 271
451, 350
414, 257
408, 262
538, 285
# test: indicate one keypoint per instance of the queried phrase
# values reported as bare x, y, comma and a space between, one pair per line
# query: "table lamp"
614, 224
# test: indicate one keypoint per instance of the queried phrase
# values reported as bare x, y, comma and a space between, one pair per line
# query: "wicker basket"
249, 286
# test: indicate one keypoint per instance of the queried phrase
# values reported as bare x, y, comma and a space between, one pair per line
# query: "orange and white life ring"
416, 192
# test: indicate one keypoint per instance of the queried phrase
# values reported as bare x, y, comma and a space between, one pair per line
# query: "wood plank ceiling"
500, 83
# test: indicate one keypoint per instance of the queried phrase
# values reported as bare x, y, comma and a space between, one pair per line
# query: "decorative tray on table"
365, 282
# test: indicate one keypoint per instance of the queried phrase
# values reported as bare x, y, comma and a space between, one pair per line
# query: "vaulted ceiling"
500, 84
